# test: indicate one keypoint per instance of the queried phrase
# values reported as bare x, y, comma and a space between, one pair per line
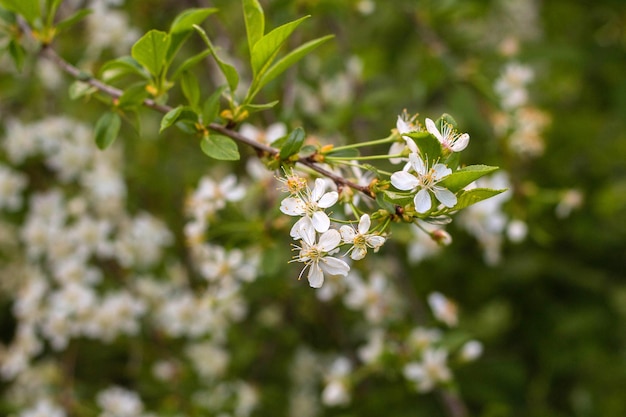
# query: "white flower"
430, 371
310, 204
426, 179
471, 350
314, 255
43, 408
361, 239
119, 402
443, 309
403, 125
448, 137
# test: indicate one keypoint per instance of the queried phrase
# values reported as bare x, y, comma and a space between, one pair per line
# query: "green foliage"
151, 51
107, 129
292, 145
220, 147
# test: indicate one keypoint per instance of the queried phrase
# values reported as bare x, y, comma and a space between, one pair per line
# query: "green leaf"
255, 22
385, 204
259, 107
294, 142
445, 119
266, 49
287, 61
191, 89
150, 51
344, 153
133, 96
220, 147
190, 62
107, 129
80, 89
17, 52
120, 67
429, 146
51, 10
28, 9
232, 77
453, 160
465, 176
73, 19
468, 197
401, 199
170, 118
211, 107
182, 26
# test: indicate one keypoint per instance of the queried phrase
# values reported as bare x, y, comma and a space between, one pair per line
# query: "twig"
49, 53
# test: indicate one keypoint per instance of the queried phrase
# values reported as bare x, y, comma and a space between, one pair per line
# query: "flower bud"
442, 237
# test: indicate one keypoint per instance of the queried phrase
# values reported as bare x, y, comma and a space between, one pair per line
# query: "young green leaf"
191, 89
182, 26
120, 67
211, 107
468, 197
232, 77
107, 129
254, 20
220, 147
170, 118
28, 9
150, 51
73, 19
17, 52
259, 107
133, 96
266, 49
429, 146
465, 176
294, 142
80, 89
188, 63
287, 61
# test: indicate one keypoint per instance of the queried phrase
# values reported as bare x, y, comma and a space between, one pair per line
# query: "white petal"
460, 143
411, 144
318, 190
320, 221
328, 199
305, 231
445, 196
292, 206
334, 266
432, 129
316, 276
402, 180
329, 240
402, 126
375, 241
414, 371
364, 224
347, 234
417, 163
441, 171
395, 149
422, 201
358, 253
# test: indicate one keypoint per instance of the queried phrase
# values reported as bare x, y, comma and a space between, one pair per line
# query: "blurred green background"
551, 313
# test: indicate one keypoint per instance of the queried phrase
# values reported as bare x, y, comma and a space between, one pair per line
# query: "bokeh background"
539, 279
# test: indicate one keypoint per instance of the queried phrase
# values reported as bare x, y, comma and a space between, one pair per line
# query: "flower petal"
315, 276
292, 206
432, 129
320, 221
445, 196
328, 199
329, 240
303, 229
335, 266
318, 190
347, 233
422, 201
441, 171
375, 241
358, 253
402, 180
364, 224
417, 163
460, 143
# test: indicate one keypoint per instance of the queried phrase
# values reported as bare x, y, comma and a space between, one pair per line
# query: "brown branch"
49, 53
